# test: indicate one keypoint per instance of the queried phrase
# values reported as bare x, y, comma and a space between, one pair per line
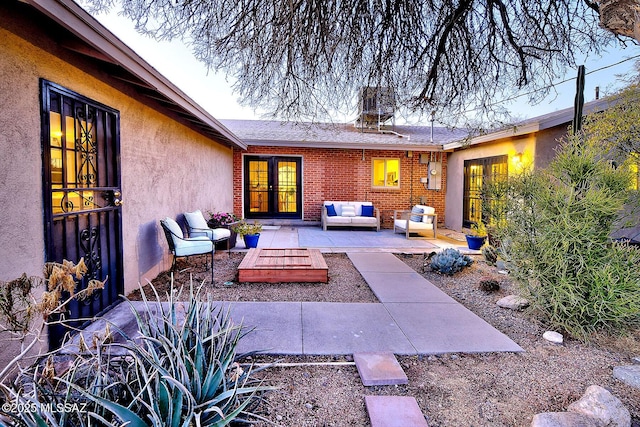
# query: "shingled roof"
341, 135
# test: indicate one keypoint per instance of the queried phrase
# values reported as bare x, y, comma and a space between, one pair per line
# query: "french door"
272, 187
478, 173
82, 197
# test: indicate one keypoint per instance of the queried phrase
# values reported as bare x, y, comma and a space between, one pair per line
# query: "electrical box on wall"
424, 159
434, 175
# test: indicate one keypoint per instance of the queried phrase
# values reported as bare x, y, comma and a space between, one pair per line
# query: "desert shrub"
489, 285
182, 369
490, 254
450, 261
557, 240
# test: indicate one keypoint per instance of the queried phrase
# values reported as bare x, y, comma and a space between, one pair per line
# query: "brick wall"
341, 174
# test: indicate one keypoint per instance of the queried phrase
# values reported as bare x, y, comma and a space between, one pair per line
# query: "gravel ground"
493, 389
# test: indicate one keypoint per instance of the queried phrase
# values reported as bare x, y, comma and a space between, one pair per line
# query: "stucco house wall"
345, 174
535, 149
526, 145
166, 167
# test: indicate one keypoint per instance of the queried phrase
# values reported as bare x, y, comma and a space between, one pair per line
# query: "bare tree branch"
302, 59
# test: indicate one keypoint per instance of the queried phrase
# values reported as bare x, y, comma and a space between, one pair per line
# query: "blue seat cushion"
331, 210
367, 210
416, 210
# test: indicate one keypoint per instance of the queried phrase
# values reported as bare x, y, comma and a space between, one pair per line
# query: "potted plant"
250, 233
224, 220
477, 235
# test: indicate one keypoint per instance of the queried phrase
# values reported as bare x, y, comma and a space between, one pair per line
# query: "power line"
555, 84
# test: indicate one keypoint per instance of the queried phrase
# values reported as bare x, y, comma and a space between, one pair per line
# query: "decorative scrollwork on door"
90, 246
86, 147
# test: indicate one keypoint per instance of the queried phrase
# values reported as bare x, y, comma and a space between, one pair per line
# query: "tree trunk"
621, 17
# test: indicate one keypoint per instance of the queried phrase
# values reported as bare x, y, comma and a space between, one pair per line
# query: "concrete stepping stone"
394, 411
379, 369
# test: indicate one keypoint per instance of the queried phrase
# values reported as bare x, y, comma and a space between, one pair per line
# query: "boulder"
630, 375
598, 403
553, 337
563, 419
513, 302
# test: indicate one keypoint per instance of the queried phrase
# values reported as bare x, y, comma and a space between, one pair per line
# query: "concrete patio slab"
436, 328
404, 287
278, 326
394, 411
379, 369
314, 237
378, 262
278, 237
347, 328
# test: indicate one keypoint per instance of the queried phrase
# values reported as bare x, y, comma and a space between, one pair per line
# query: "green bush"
557, 240
449, 261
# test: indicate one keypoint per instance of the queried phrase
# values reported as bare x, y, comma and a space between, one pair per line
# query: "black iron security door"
478, 173
82, 198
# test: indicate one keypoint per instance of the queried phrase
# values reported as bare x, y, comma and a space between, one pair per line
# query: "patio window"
477, 174
386, 173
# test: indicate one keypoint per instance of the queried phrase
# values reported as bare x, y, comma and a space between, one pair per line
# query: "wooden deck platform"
283, 265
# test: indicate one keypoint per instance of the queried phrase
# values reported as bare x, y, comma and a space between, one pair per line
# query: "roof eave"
84, 26
342, 145
537, 124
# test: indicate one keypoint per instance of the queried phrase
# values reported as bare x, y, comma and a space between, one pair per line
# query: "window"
477, 174
386, 173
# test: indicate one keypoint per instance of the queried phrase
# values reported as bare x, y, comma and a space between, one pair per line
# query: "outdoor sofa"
350, 214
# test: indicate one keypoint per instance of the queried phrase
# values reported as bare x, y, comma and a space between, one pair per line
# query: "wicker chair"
181, 246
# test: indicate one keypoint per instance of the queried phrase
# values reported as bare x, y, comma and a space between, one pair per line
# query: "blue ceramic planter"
475, 242
251, 240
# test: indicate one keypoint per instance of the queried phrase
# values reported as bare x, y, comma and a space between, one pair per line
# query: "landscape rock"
636, 360
630, 375
513, 302
563, 419
553, 337
598, 403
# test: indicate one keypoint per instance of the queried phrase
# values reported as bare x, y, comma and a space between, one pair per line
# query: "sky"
213, 91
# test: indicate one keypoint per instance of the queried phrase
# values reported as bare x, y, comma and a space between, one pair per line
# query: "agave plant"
187, 371
181, 370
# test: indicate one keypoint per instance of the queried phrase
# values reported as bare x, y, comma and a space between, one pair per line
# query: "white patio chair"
418, 220
198, 226
181, 246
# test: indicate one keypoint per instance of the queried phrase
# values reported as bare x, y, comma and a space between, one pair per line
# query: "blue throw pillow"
416, 210
331, 210
367, 210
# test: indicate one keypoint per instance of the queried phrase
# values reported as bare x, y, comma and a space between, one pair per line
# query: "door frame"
272, 158
471, 197
101, 303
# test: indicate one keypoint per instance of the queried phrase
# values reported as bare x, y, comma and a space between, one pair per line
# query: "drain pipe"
433, 114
